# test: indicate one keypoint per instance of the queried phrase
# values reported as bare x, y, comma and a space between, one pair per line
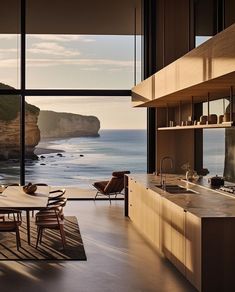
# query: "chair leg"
109, 199
40, 240
39, 233
18, 243
96, 195
62, 235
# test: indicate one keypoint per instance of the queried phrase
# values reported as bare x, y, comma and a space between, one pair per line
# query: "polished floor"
118, 259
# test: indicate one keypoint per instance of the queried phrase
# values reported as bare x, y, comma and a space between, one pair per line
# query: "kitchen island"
195, 229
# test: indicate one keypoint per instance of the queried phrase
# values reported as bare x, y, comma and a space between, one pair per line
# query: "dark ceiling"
108, 17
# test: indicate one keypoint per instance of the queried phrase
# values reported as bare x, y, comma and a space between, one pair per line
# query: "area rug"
49, 249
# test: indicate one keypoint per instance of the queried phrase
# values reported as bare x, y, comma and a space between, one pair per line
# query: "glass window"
82, 61
86, 138
9, 139
10, 43
93, 49
214, 140
201, 39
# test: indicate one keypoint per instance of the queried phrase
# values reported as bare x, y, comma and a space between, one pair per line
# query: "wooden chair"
51, 217
114, 186
4, 187
13, 224
54, 195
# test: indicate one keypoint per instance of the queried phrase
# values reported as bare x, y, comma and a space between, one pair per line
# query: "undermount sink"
175, 189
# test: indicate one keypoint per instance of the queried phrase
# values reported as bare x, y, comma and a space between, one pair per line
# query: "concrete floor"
118, 259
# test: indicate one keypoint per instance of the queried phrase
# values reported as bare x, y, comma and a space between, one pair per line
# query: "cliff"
10, 126
63, 125
51, 124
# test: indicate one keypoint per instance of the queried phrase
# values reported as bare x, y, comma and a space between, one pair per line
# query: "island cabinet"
193, 253
181, 240
144, 211
169, 228
173, 234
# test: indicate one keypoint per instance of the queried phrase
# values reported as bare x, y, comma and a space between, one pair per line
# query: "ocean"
214, 151
88, 159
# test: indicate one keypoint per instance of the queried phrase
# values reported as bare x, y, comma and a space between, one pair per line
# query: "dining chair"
39, 185
56, 194
12, 224
52, 194
51, 217
6, 186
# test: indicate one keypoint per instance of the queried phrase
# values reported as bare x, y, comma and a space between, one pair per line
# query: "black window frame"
23, 91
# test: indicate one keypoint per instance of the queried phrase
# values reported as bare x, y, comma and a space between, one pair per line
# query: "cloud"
90, 69
81, 62
9, 50
61, 38
85, 64
78, 100
8, 63
53, 49
8, 36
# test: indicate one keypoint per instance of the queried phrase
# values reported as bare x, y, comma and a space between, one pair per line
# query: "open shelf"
207, 126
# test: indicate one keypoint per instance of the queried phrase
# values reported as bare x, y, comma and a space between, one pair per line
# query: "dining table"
14, 197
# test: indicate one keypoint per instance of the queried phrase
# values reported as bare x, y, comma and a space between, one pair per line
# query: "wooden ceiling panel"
103, 17
209, 68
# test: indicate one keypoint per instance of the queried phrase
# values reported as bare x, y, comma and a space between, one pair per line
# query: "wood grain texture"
144, 211
207, 68
193, 249
218, 254
178, 237
15, 197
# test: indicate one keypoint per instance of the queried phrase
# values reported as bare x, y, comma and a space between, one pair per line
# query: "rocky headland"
10, 127
65, 125
38, 124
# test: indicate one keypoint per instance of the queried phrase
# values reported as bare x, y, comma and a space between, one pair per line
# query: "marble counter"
205, 202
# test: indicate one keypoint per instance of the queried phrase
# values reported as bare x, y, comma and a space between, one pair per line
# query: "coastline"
44, 145
40, 150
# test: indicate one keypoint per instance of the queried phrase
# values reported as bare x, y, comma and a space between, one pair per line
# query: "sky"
75, 62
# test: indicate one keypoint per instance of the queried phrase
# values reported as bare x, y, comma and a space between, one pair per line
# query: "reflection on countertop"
203, 201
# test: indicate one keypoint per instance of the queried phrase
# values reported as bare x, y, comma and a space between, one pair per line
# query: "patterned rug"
49, 249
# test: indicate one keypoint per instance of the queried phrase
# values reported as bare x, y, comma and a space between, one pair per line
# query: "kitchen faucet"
162, 182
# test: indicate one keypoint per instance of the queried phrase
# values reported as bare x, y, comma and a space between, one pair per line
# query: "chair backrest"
10, 224
56, 204
115, 185
120, 173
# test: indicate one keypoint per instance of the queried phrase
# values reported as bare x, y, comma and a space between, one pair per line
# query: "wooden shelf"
210, 126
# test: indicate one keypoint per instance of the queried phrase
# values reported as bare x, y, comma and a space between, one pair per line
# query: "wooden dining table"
13, 197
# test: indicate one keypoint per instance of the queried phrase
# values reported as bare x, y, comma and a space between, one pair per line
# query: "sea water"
214, 151
88, 159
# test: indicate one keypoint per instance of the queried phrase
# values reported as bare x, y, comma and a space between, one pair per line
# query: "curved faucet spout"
163, 183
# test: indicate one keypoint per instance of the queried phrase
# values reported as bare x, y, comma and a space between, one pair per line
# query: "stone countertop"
204, 203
